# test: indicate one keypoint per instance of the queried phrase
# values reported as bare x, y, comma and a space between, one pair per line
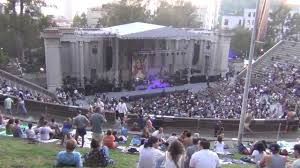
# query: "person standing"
8, 105
21, 105
122, 109
247, 122
97, 120
80, 122
204, 157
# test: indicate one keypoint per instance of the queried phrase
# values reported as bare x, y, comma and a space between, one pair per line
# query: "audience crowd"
272, 97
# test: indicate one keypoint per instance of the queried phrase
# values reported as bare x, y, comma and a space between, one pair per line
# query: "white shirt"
171, 164
157, 134
122, 108
148, 157
296, 163
171, 139
44, 132
257, 156
100, 104
204, 159
219, 147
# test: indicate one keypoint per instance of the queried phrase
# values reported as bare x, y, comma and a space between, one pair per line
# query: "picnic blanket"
289, 146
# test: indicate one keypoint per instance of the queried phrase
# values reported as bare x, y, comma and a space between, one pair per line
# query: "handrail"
260, 58
26, 83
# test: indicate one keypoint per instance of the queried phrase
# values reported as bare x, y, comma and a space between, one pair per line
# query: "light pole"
248, 77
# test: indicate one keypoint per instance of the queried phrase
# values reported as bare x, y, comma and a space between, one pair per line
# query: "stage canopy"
140, 30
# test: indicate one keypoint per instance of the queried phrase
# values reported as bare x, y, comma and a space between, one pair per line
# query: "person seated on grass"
146, 133
54, 126
188, 141
69, 157
66, 129
9, 127
159, 134
119, 139
150, 156
259, 151
41, 121
17, 131
172, 138
296, 163
175, 155
275, 160
97, 157
190, 151
109, 140
219, 145
1, 119
45, 132
30, 134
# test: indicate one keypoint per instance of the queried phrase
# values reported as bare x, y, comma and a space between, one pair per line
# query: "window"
253, 14
248, 22
240, 22
249, 14
226, 22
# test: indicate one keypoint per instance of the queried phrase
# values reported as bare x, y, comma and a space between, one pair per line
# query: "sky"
65, 7
69, 8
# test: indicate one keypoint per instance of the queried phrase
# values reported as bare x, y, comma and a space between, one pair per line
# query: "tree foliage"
20, 31
126, 11
80, 21
240, 41
178, 14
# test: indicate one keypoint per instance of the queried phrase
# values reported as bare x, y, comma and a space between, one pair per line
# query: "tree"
27, 10
80, 21
123, 12
21, 33
180, 14
276, 26
240, 41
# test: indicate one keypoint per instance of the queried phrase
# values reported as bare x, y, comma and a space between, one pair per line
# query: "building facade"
132, 51
93, 15
231, 22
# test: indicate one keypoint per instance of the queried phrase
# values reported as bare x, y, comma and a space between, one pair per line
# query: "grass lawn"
16, 153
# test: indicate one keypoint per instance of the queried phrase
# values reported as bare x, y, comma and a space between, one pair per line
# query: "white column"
53, 64
81, 63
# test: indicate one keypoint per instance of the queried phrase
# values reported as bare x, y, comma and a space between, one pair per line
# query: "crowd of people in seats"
271, 96
9, 90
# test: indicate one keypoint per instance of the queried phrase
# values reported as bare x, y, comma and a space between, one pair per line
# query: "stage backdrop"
139, 67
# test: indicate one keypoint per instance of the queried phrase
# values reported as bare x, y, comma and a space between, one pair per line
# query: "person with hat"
275, 160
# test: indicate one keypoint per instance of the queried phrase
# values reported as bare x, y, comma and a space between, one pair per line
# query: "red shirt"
108, 141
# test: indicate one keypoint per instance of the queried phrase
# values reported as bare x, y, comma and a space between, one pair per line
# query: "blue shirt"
69, 159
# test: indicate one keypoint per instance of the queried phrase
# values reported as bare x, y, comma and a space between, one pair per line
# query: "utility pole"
248, 77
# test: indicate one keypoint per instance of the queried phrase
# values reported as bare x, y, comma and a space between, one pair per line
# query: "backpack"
96, 158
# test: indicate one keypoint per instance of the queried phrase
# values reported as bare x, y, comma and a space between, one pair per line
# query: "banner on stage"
139, 64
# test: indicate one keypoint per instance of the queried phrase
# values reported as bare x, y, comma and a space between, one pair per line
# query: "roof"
162, 33
140, 30
131, 28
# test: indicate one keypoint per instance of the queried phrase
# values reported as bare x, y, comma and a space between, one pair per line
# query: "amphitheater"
284, 52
